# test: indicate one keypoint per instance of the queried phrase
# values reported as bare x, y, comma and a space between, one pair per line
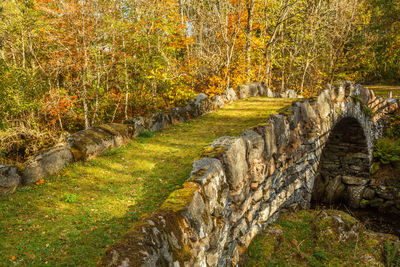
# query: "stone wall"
241, 183
87, 144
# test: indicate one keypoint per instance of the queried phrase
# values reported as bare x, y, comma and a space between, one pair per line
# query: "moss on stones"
180, 199
212, 152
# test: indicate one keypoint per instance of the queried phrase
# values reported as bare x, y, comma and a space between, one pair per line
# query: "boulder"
282, 130
248, 90
9, 179
89, 143
290, 94
217, 102
46, 163
354, 195
209, 173
229, 95
307, 112
352, 180
232, 151
158, 121
270, 93
323, 103
138, 125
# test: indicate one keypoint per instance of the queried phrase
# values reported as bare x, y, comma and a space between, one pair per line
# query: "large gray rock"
158, 121
282, 130
290, 94
230, 95
232, 151
91, 142
354, 195
137, 124
217, 102
323, 103
202, 105
248, 90
209, 173
307, 112
254, 143
46, 163
9, 179
270, 93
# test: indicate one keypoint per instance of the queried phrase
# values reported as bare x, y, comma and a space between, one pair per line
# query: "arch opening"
343, 171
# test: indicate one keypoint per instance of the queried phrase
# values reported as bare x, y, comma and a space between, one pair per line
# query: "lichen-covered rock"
46, 163
9, 179
89, 143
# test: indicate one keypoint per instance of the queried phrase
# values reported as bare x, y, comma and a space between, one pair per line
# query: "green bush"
70, 198
387, 150
392, 254
146, 134
393, 130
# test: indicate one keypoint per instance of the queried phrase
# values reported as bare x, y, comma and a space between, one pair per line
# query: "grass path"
383, 90
71, 218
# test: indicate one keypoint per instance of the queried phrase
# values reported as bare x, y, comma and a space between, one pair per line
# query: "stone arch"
344, 166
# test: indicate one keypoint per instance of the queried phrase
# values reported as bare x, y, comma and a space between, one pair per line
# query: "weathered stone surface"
254, 143
324, 107
46, 163
281, 130
230, 95
217, 102
209, 173
158, 121
248, 90
233, 152
270, 93
352, 180
307, 112
137, 124
89, 143
9, 179
354, 195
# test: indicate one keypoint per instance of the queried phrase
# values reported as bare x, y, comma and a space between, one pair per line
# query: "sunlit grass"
383, 90
71, 218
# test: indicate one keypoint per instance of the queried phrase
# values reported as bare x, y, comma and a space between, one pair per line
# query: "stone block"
158, 121
46, 163
137, 124
9, 179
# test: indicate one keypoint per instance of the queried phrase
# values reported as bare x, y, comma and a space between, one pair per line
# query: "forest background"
66, 65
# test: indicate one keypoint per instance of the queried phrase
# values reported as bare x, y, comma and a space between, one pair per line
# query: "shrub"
387, 150
393, 130
392, 254
146, 134
70, 198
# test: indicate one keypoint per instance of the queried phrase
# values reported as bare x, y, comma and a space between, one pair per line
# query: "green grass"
383, 90
71, 218
310, 238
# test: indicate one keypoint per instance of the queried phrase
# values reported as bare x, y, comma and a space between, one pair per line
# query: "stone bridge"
319, 148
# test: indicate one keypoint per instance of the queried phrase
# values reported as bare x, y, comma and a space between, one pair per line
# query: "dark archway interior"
343, 171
